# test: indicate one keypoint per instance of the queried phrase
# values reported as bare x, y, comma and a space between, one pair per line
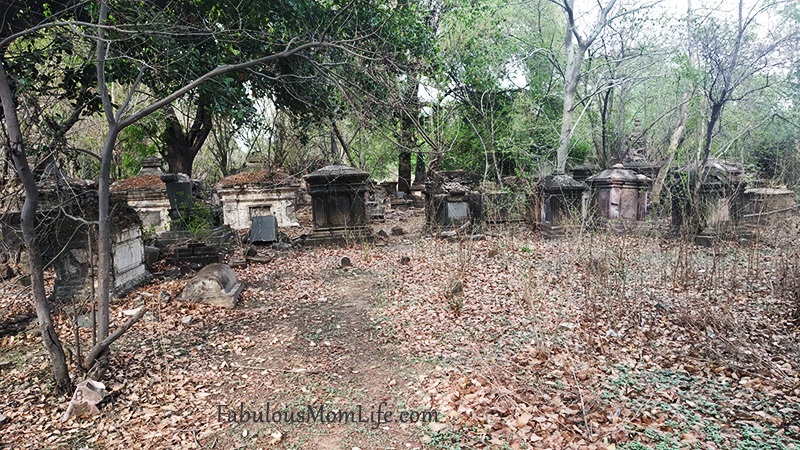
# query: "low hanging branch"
101, 346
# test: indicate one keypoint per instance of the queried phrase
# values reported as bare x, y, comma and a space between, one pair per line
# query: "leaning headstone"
264, 229
215, 284
85, 399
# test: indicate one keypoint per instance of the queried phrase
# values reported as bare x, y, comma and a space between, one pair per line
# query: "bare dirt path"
324, 351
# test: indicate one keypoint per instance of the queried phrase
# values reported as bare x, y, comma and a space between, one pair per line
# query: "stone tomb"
764, 203
261, 193
147, 194
562, 204
452, 199
338, 204
718, 211
619, 198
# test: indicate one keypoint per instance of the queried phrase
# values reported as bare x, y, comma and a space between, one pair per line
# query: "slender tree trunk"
52, 343
575, 55
409, 113
104, 247
677, 134
716, 112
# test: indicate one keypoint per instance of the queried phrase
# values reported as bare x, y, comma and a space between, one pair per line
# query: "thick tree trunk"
183, 146
404, 172
52, 343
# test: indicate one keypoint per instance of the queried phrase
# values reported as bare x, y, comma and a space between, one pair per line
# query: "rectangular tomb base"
339, 236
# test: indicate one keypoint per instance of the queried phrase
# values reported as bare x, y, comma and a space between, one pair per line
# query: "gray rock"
84, 321
164, 297
149, 316
216, 284
151, 255
398, 231
281, 246
3, 420
346, 262
187, 320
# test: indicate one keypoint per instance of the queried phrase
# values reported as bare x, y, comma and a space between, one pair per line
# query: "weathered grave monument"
338, 204
619, 198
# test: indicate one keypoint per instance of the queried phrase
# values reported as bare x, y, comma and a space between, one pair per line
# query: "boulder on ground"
215, 284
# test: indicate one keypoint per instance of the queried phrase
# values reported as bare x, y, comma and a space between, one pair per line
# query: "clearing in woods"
595, 341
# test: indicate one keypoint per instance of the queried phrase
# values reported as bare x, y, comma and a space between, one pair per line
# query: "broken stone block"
85, 399
238, 263
215, 284
398, 231
3, 420
187, 320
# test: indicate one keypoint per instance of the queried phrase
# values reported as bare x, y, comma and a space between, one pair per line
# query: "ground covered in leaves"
594, 341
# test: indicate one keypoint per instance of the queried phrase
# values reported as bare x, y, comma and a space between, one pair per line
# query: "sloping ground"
596, 341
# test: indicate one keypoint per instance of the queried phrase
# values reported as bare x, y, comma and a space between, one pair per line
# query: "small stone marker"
346, 262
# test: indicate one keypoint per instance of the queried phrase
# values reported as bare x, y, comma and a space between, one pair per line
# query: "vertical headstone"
264, 229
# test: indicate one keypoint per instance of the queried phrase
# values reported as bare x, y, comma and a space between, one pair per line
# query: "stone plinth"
562, 204
716, 212
453, 199
254, 194
147, 194
765, 204
338, 204
619, 198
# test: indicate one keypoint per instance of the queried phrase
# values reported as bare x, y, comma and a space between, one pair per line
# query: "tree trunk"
420, 171
575, 55
52, 343
716, 112
658, 184
404, 171
182, 147
409, 112
104, 248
